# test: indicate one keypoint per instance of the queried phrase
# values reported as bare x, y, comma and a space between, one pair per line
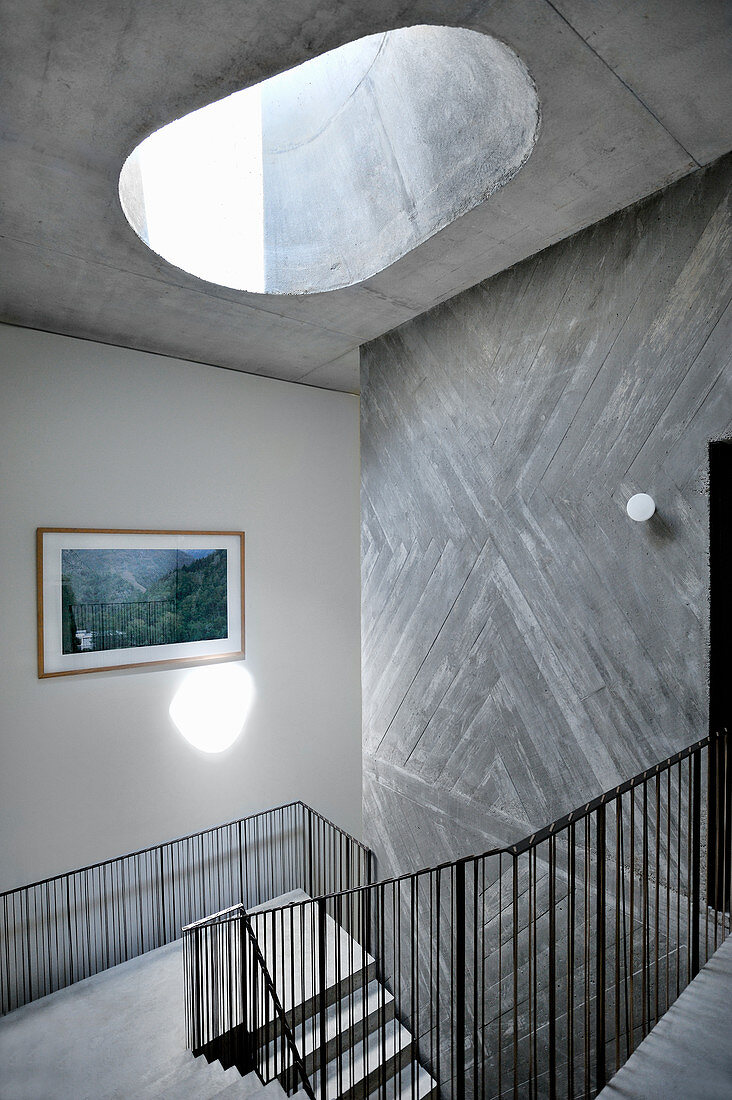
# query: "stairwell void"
326, 174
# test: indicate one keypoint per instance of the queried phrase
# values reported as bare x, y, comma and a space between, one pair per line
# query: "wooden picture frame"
92, 612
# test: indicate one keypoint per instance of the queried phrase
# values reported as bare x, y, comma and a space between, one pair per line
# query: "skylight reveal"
324, 175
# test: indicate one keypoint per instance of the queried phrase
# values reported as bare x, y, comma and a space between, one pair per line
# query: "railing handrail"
120, 603
521, 846
216, 918
180, 840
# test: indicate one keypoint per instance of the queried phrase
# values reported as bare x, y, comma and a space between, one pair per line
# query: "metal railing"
101, 626
528, 971
62, 929
245, 1023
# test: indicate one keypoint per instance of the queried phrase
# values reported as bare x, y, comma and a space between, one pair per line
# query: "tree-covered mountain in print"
110, 575
116, 599
198, 589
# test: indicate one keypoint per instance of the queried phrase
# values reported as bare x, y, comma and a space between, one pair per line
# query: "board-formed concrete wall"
92, 766
525, 645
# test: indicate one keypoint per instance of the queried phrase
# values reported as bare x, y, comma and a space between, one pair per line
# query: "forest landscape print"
136, 597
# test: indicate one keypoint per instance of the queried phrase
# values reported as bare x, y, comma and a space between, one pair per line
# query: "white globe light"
211, 706
641, 507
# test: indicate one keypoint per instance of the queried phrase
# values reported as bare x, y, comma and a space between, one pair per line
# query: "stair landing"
115, 1036
689, 1052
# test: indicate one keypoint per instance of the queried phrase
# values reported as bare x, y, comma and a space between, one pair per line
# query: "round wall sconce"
641, 507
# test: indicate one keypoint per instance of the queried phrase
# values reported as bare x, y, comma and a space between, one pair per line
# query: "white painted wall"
96, 436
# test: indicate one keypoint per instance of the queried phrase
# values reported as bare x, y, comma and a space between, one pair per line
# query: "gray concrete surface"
525, 645
116, 1036
633, 96
689, 1052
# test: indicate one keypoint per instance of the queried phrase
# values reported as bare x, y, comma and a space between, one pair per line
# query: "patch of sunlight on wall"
211, 706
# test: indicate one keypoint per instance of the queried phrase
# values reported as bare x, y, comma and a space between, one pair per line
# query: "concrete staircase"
369, 1053
119, 1034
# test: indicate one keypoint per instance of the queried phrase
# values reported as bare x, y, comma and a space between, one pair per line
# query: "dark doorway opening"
720, 674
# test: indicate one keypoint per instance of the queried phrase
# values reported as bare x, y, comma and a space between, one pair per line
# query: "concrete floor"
115, 1036
688, 1055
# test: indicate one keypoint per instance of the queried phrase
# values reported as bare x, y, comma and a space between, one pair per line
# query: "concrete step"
346, 1022
213, 1082
412, 1082
360, 1013
293, 933
358, 1072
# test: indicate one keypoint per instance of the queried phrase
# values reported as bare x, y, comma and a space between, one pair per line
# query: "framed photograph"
117, 599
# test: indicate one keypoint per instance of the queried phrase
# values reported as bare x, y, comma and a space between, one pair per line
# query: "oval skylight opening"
324, 175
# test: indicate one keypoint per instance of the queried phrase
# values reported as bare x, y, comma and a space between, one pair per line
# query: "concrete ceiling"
633, 96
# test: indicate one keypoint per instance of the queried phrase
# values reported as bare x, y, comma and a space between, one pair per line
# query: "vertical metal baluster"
678, 883
533, 851
725, 840
587, 921
69, 931
338, 917
627, 979
437, 971
668, 884
322, 960
600, 950
356, 944
571, 919
369, 918
431, 940
515, 922
656, 916
695, 860
177, 922
294, 948
309, 837
530, 988
459, 971
414, 890
689, 874
618, 865
499, 1028
48, 960
382, 1005
707, 888
716, 778
304, 913
644, 941
474, 960
18, 945
6, 997
34, 961
552, 968
480, 1081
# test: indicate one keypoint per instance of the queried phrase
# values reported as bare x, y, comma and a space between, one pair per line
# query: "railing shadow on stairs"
527, 971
